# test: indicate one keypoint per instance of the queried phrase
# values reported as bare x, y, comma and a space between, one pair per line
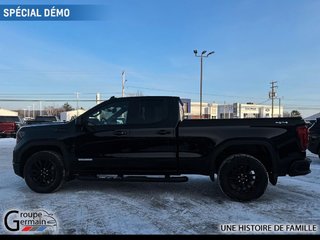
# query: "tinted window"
148, 112
46, 118
9, 119
110, 114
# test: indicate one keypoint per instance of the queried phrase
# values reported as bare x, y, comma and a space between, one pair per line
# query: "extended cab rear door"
152, 124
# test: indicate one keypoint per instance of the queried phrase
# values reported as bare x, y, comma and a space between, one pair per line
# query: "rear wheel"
243, 177
44, 172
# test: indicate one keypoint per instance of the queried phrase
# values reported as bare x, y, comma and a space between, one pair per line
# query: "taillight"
303, 134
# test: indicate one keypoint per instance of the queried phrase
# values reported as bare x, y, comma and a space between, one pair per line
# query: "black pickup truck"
143, 138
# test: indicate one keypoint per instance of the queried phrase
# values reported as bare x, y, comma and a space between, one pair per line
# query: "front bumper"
301, 167
16, 164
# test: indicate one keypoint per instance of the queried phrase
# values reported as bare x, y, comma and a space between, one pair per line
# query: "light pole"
201, 63
123, 82
29, 111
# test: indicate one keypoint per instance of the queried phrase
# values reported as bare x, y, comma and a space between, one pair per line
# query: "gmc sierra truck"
144, 138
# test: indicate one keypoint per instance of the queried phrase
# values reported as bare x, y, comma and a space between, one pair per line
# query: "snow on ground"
194, 207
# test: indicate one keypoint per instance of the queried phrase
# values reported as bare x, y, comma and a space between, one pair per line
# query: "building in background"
212, 111
5, 112
209, 110
70, 115
226, 111
186, 107
251, 110
235, 110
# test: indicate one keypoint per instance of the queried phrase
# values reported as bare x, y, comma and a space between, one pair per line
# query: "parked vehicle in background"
314, 138
134, 137
9, 125
43, 119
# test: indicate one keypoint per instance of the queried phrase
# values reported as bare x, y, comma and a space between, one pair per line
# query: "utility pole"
33, 110
29, 111
123, 82
272, 95
279, 107
201, 63
97, 98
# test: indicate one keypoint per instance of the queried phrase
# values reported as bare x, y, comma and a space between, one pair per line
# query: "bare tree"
53, 111
295, 113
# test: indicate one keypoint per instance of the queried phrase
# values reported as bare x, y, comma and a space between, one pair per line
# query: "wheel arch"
260, 149
45, 146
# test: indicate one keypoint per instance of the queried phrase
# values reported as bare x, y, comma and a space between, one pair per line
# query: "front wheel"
243, 177
44, 172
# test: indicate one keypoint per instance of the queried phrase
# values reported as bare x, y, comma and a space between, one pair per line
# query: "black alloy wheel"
243, 177
44, 172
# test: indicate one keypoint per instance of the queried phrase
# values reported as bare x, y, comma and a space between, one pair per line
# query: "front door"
103, 138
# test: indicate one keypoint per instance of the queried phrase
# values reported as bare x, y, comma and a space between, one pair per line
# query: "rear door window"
148, 112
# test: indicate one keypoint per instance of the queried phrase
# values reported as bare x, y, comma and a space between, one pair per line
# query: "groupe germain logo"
32, 222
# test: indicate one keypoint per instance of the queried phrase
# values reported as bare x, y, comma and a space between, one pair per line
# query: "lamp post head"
210, 53
203, 52
195, 52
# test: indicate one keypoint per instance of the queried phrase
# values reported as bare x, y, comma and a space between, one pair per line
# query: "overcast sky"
255, 42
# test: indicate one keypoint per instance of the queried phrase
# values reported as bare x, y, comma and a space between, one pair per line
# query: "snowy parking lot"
194, 207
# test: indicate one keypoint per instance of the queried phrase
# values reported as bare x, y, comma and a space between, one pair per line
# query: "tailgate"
7, 127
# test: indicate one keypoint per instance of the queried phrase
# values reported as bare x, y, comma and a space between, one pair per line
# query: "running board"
121, 178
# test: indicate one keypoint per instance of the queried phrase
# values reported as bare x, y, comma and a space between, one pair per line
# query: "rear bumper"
7, 133
301, 167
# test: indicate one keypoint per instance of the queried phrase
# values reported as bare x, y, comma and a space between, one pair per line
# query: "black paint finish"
146, 135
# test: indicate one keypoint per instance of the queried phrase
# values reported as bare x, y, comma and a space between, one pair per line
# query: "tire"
44, 172
242, 177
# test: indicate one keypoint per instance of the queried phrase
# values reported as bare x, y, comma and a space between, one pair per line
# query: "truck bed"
266, 122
